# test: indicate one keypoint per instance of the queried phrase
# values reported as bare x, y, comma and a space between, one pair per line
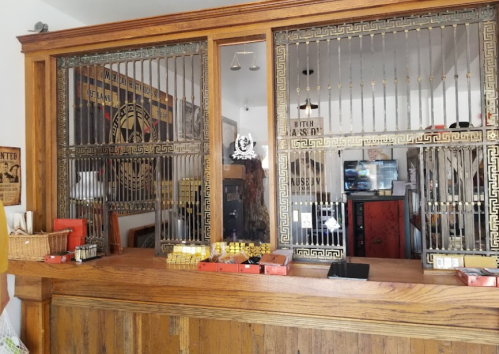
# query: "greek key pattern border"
493, 176
207, 199
490, 71
283, 200
318, 253
280, 90
486, 13
392, 140
207, 162
62, 170
183, 49
137, 150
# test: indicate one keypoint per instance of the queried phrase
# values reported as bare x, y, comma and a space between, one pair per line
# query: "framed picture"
307, 173
190, 121
377, 154
10, 175
229, 135
142, 237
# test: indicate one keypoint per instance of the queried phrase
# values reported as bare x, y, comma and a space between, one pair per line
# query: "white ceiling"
93, 12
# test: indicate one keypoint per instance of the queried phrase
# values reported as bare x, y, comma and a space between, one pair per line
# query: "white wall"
16, 17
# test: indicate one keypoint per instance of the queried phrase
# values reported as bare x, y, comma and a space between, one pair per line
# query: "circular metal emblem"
132, 124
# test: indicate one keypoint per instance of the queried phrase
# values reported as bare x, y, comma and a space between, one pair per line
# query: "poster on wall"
113, 108
306, 168
10, 175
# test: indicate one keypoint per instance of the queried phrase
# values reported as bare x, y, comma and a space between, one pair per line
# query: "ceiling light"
309, 105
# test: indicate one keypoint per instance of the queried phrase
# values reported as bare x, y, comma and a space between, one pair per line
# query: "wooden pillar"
35, 295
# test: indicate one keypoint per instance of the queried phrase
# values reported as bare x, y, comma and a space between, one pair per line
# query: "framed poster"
191, 121
10, 175
373, 154
306, 168
113, 108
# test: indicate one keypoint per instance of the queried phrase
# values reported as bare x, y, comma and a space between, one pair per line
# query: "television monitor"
369, 175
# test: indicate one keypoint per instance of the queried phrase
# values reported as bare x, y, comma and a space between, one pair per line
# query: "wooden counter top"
398, 299
389, 279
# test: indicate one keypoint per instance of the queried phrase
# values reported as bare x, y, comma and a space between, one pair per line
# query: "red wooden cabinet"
376, 228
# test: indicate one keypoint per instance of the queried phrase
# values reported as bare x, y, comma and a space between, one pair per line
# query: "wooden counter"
136, 303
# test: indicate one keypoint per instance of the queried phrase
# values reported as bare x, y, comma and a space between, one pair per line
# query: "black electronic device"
352, 271
369, 175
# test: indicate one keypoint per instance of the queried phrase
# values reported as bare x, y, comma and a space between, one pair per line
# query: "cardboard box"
250, 268
78, 231
278, 270
234, 171
476, 277
58, 258
273, 259
493, 272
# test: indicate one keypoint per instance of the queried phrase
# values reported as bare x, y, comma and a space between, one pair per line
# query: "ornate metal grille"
423, 81
133, 138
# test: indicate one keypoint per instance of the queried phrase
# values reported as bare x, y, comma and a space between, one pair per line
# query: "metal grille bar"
422, 47
136, 141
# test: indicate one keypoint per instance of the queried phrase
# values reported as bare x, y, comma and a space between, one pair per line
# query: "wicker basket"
36, 247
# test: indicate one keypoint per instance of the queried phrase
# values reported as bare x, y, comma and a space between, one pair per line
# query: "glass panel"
132, 137
245, 143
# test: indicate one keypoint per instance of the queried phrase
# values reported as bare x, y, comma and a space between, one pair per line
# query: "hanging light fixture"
308, 106
235, 63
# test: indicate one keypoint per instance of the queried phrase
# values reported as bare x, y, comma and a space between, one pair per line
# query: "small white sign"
306, 220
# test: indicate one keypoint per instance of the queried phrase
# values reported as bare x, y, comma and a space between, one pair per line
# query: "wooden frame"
226, 25
139, 237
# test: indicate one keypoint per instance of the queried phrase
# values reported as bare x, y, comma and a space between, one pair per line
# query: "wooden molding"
33, 288
391, 311
398, 329
398, 281
278, 13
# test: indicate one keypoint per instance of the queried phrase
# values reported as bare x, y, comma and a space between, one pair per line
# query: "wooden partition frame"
218, 25
214, 43
215, 25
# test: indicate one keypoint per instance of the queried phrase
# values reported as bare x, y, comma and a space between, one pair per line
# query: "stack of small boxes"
249, 249
188, 192
188, 254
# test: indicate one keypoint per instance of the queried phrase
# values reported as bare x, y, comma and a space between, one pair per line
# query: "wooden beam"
35, 295
275, 13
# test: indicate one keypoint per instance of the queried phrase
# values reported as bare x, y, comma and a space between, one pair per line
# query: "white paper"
29, 222
398, 188
306, 220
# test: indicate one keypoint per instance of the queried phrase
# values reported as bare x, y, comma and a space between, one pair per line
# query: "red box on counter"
227, 267
278, 270
250, 268
476, 277
78, 231
493, 272
207, 266
58, 258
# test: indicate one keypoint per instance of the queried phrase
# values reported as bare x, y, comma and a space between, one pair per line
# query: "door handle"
234, 214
